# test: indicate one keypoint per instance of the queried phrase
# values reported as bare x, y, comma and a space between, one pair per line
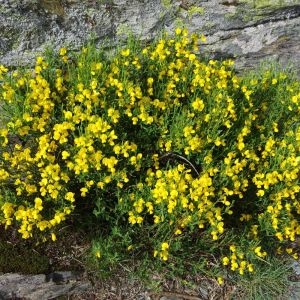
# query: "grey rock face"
246, 30
37, 287
248, 33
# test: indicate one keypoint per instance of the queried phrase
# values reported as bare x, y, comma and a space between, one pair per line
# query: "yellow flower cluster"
181, 200
237, 262
163, 252
64, 141
178, 145
240, 153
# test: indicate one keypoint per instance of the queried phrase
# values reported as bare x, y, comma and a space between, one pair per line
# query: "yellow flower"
234, 265
178, 31
258, 252
65, 154
198, 104
192, 57
220, 280
150, 81
164, 246
98, 254
232, 248
250, 268
68, 115
156, 219
178, 231
53, 237
39, 60
164, 255
131, 218
70, 196
139, 220
83, 191
125, 52
202, 38
260, 193
100, 185
218, 142
225, 261
62, 51
38, 203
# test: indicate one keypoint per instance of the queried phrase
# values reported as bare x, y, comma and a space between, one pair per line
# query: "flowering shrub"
178, 145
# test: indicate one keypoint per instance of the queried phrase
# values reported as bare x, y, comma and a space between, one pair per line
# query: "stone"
295, 281
244, 30
36, 287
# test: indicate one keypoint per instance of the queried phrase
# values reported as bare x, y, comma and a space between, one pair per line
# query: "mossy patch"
52, 6
271, 3
20, 259
194, 10
166, 3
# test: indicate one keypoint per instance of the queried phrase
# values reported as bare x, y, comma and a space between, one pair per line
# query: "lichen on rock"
246, 30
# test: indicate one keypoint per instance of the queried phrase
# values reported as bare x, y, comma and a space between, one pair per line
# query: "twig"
172, 154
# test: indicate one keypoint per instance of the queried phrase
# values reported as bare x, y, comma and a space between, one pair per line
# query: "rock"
246, 30
249, 33
295, 282
37, 287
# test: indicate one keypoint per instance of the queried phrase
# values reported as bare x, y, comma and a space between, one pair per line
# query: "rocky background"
246, 30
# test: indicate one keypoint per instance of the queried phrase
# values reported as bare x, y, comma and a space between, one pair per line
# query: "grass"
271, 281
141, 273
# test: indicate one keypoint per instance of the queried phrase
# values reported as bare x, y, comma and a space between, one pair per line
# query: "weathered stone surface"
246, 30
37, 287
249, 33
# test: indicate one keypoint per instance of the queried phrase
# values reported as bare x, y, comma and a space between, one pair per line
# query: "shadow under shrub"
21, 258
153, 140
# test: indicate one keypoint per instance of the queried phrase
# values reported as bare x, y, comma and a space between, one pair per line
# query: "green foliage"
172, 157
268, 3
194, 10
270, 280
